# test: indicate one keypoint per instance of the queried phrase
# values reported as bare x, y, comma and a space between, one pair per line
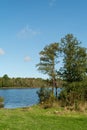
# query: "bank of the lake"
37, 118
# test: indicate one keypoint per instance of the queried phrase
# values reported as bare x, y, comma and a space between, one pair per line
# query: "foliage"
22, 82
1, 99
73, 72
75, 59
45, 97
1, 102
43, 94
5, 80
48, 61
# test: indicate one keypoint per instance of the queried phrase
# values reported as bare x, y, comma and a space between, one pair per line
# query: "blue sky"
27, 26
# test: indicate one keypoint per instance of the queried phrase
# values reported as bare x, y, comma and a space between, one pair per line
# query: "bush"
70, 100
43, 94
1, 102
46, 97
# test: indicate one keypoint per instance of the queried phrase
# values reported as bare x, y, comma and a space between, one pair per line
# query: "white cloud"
27, 32
27, 59
2, 52
52, 3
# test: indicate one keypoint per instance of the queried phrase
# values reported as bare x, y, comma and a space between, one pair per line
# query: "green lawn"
36, 118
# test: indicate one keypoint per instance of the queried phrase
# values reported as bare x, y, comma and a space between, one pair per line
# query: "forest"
7, 82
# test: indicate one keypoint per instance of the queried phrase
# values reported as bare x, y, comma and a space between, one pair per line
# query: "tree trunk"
56, 92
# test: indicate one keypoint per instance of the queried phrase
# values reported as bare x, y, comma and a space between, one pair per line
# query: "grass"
36, 118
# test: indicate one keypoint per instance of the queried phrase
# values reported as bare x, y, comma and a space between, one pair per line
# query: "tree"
5, 81
74, 69
75, 59
48, 61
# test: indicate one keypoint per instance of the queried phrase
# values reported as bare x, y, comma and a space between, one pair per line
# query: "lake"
15, 98
22, 97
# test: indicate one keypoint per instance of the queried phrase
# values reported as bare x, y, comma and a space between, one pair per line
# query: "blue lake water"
15, 98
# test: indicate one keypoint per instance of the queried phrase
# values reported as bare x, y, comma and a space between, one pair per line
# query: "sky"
27, 26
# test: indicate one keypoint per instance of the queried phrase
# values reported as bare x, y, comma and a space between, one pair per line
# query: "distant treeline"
7, 82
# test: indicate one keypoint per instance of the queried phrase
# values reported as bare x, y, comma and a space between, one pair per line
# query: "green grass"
36, 118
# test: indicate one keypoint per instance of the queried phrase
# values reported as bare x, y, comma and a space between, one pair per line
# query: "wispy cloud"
2, 52
27, 32
27, 59
52, 3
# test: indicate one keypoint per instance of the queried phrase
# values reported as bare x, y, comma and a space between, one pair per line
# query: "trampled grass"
36, 118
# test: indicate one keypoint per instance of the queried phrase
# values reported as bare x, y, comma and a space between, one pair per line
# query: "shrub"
46, 97
1, 102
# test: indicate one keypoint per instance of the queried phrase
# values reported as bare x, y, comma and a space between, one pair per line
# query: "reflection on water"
14, 98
